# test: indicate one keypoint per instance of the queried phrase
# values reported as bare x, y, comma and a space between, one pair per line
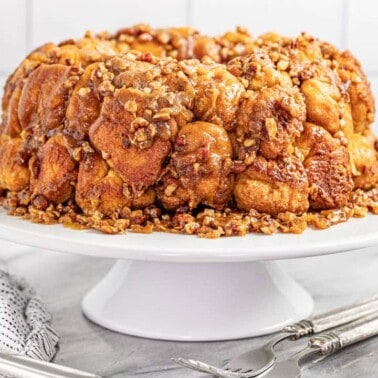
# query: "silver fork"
256, 361
209, 369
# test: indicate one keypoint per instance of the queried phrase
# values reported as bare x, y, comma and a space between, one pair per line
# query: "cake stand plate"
181, 287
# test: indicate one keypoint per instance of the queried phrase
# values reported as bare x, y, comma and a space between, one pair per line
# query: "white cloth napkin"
24, 321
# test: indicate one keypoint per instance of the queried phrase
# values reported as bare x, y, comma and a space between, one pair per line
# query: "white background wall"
349, 24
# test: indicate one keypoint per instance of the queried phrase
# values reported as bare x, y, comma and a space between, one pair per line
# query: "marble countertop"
62, 280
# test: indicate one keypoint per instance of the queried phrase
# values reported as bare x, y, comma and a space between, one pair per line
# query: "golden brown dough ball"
14, 172
363, 158
42, 104
217, 95
199, 171
327, 165
271, 119
273, 186
53, 171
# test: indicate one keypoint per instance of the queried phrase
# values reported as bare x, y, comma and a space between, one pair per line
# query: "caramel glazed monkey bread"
170, 130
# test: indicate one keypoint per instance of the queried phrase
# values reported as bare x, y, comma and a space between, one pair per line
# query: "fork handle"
331, 342
332, 319
25, 367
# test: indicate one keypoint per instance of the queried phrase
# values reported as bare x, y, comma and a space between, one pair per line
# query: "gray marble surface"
62, 280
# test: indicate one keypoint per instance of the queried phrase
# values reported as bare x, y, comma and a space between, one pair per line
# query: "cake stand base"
196, 301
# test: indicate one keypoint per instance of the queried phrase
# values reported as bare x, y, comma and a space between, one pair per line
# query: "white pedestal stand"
191, 301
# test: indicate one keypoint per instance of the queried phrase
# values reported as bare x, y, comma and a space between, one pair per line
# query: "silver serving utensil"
25, 367
256, 361
323, 345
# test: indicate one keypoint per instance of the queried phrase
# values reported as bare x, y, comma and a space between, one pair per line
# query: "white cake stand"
180, 287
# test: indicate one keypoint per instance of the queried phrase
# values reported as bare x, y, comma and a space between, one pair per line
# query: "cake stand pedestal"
180, 287
190, 301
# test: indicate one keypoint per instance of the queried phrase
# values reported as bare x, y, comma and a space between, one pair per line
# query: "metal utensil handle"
344, 315
25, 367
332, 341
334, 318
